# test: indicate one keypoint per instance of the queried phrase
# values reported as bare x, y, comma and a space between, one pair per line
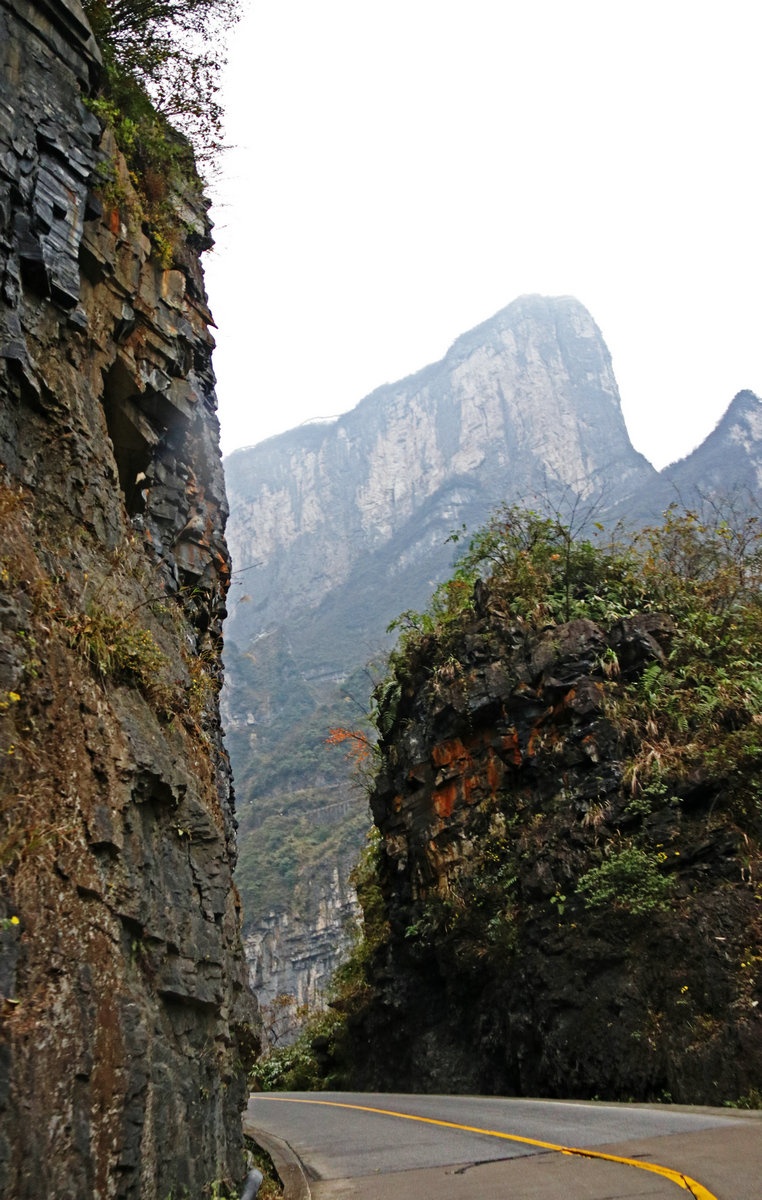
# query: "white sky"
402, 169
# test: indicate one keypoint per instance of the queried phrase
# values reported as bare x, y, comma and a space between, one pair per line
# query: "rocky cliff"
126, 1021
565, 898
293, 952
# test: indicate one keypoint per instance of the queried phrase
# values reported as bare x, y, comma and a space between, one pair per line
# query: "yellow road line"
697, 1190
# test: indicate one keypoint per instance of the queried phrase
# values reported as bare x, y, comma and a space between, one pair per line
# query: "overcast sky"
402, 169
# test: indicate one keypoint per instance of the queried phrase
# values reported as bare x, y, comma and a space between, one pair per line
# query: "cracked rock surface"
502, 783
126, 1020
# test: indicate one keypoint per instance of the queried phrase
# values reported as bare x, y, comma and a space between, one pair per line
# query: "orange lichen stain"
511, 747
566, 702
470, 784
448, 752
417, 774
494, 772
444, 799
397, 804
591, 748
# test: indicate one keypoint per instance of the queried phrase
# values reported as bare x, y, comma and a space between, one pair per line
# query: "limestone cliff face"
292, 954
126, 1018
524, 405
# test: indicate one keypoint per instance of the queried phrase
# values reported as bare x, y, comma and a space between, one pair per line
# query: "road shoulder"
289, 1166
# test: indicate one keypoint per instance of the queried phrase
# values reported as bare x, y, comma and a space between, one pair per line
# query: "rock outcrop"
126, 1019
504, 804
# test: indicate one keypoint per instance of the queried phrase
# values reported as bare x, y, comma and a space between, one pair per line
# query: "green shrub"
629, 880
300, 1066
159, 95
111, 641
172, 52
540, 571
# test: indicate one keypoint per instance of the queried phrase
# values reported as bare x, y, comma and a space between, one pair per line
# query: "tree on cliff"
174, 50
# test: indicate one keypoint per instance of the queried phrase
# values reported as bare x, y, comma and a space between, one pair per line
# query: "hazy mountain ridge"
732, 450
525, 402
725, 468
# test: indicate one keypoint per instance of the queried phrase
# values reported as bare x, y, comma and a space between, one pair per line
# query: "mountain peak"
740, 425
726, 467
744, 405
523, 406
526, 317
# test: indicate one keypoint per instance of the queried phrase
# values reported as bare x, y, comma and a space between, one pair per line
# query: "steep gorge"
127, 1022
335, 529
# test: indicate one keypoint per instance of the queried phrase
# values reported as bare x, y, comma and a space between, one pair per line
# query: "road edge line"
696, 1189
287, 1162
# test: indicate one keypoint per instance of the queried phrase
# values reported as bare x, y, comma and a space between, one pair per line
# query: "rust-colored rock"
495, 975
126, 1021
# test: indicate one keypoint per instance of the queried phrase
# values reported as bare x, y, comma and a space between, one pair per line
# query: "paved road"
337, 1146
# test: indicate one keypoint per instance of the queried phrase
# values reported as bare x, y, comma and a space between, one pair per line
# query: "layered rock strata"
292, 955
126, 1019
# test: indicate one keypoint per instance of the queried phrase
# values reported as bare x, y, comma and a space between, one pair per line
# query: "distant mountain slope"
726, 466
731, 455
324, 515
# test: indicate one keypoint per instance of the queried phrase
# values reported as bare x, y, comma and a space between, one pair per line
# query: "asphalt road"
331, 1146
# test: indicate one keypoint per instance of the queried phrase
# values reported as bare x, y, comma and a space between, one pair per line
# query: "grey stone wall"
125, 1021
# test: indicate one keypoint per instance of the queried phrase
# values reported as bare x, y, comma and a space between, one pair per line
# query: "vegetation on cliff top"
171, 51
159, 94
673, 838
702, 707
